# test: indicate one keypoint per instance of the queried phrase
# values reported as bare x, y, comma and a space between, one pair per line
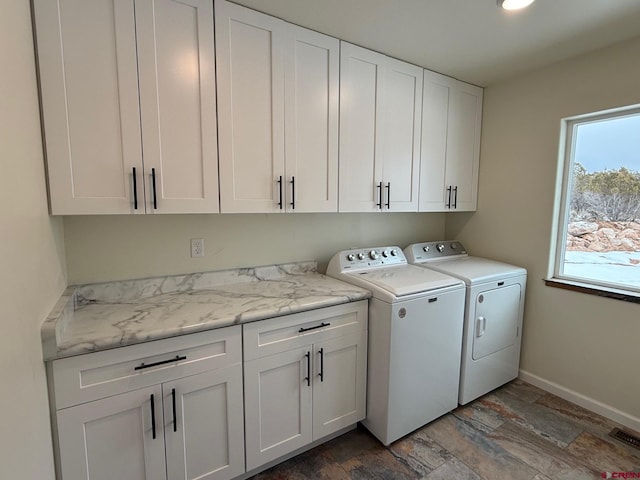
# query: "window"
598, 227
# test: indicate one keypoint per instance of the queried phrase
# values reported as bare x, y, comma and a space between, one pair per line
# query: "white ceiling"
472, 40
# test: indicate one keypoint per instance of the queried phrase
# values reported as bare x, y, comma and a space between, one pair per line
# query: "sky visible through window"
609, 144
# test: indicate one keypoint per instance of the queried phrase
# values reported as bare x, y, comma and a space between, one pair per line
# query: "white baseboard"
586, 402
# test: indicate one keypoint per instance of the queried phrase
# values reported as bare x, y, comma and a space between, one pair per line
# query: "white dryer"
493, 313
415, 338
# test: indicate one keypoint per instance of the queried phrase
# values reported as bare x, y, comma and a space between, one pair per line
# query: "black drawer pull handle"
153, 418
388, 187
293, 193
173, 399
155, 197
308, 377
321, 374
135, 189
500, 284
313, 328
142, 366
431, 300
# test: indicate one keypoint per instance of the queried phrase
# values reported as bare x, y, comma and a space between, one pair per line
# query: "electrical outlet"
197, 247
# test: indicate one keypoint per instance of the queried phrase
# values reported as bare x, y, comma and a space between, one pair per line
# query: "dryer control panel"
430, 251
366, 258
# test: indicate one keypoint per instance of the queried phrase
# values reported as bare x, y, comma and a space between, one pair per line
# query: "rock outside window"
597, 237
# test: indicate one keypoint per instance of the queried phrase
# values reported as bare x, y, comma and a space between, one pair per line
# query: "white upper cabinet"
312, 83
275, 81
380, 102
178, 102
450, 152
100, 115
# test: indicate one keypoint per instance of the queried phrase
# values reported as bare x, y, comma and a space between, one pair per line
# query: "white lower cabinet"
188, 427
177, 409
304, 379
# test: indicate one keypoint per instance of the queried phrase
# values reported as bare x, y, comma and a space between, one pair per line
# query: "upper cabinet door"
311, 121
463, 145
178, 106
450, 151
401, 143
433, 151
250, 78
89, 85
361, 81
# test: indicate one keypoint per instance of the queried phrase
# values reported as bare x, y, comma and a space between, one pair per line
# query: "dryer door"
496, 320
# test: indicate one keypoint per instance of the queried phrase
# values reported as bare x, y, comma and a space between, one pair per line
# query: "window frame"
562, 209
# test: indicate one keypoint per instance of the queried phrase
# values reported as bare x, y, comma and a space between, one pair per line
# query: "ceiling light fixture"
514, 4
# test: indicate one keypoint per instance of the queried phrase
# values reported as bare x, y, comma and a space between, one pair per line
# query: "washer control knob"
454, 246
373, 255
361, 256
385, 253
393, 252
351, 257
425, 248
440, 247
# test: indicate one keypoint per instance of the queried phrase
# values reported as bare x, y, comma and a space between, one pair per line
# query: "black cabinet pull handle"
135, 189
173, 399
153, 182
434, 299
388, 187
280, 188
321, 374
455, 197
153, 418
379, 204
177, 358
308, 377
293, 193
313, 328
448, 205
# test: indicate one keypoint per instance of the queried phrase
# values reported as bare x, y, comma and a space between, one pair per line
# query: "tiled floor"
517, 432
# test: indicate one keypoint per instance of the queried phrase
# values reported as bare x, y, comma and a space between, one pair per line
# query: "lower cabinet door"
339, 387
277, 405
114, 438
203, 424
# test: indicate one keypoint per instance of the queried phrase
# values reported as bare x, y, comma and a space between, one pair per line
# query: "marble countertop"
89, 318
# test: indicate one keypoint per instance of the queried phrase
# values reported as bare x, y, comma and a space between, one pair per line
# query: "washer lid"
475, 269
404, 279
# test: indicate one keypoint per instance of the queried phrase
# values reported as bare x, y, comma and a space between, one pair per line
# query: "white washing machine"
493, 313
415, 337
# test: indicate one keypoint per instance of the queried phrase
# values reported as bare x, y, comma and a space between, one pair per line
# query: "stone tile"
454, 468
479, 412
541, 477
543, 421
420, 453
603, 455
351, 444
472, 446
378, 464
523, 391
582, 417
539, 453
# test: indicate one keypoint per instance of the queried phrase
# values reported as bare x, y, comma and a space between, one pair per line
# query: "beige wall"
581, 342
119, 247
31, 257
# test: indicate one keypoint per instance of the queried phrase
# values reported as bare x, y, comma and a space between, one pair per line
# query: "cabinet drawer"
280, 334
97, 375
